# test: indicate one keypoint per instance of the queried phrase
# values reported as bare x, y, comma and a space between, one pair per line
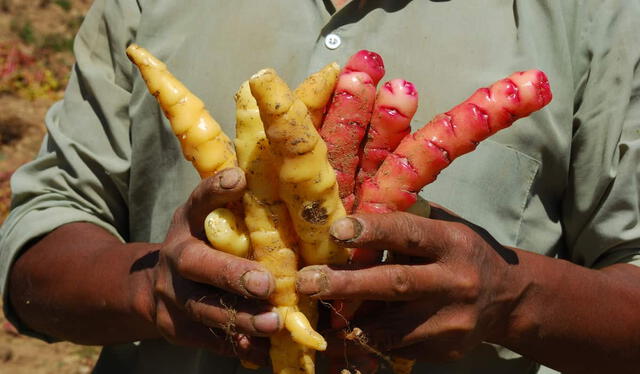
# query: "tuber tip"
368, 62
262, 72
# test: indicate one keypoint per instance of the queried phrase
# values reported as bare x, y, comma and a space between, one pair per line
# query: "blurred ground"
35, 57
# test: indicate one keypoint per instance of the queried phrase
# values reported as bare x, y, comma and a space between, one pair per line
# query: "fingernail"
267, 323
346, 229
257, 283
229, 179
311, 281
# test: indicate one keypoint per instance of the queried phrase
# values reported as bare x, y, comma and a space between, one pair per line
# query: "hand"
207, 298
449, 294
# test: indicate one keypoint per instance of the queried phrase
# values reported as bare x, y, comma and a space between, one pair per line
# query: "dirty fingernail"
311, 281
229, 178
346, 229
257, 283
267, 323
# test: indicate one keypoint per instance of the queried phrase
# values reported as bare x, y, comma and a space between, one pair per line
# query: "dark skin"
82, 284
457, 288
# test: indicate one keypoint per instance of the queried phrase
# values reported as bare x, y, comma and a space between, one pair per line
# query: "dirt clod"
315, 213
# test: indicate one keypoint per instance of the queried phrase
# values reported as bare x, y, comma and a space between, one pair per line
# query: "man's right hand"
204, 297
81, 283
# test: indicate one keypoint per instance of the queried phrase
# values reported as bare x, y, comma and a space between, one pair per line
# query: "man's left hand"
449, 290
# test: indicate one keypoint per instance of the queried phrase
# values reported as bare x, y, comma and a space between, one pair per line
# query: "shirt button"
332, 41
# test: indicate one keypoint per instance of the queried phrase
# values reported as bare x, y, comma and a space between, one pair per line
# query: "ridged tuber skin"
396, 103
273, 240
347, 119
307, 182
201, 139
203, 142
316, 91
367, 62
420, 157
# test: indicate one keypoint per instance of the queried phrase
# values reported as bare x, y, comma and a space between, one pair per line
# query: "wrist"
141, 299
531, 288
516, 316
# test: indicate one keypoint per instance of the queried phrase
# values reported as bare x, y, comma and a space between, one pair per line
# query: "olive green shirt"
563, 182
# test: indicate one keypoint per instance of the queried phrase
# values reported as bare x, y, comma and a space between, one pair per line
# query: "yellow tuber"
307, 182
201, 138
274, 184
316, 91
273, 239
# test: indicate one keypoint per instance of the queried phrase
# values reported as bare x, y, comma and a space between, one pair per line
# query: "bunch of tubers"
333, 146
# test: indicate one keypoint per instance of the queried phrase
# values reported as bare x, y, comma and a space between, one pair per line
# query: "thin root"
336, 311
229, 327
358, 336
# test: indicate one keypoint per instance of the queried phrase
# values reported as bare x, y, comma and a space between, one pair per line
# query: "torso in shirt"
447, 49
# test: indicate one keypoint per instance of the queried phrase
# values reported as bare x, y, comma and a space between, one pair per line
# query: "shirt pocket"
489, 187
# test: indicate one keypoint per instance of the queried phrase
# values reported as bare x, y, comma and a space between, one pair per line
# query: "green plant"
57, 42
24, 29
64, 4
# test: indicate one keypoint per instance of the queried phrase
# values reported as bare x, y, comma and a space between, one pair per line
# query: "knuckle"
227, 276
461, 236
216, 311
187, 256
462, 325
195, 311
401, 280
406, 225
468, 286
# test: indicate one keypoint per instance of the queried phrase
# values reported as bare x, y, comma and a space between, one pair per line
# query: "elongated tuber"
307, 182
201, 138
316, 91
396, 103
273, 239
420, 157
348, 118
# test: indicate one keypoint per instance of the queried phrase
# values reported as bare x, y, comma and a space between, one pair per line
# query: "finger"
195, 261
398, 232
233, 314
214, 192
407, 324
430, 351
183, 331
382, 282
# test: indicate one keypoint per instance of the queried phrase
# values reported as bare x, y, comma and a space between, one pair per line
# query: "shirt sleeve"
601, 207
82, 170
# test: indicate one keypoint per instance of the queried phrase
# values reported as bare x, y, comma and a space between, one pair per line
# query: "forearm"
80, 283
575, 319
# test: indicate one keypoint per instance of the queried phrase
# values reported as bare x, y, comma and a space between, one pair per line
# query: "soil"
35, 58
